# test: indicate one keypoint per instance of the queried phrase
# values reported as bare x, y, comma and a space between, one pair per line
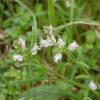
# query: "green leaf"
83, 65
12, 72
44, 92
2, 97
90, 36
87, 98
83, 77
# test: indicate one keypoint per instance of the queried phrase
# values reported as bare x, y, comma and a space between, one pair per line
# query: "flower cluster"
22, 44
46, 43
50, 41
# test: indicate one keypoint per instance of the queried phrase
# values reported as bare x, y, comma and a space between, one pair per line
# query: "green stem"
93, 23
72, 11
21, 80
51, 12
28, 83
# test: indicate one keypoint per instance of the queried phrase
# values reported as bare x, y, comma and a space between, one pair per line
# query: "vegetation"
49, 49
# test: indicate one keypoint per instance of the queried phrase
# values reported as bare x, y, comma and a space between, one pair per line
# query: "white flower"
50, 42
35, 49
67, 3
17, 57
57, 57
48, 29
92, 85
61, 42
21, 42
46, 43
22, 98
73, 46
53, 39
55, 0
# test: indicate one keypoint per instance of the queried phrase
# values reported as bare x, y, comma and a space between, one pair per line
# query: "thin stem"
21, 80
75, 23
72, 11
28, 83
71, 18
51, 12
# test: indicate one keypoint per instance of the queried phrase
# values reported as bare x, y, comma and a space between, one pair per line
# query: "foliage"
39, 77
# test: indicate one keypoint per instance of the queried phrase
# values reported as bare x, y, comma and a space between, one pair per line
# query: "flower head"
57, 57
48, 29
92, 85
17, 57
46, 43
61, 42
21, 42
53, 39
35, 49
73, 46
67, 3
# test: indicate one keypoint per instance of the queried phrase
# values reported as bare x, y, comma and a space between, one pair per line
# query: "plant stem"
28, 83
72, 11
51, 12
93, 23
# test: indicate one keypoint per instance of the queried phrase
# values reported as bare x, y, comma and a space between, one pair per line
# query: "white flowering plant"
53, 55
47, 52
